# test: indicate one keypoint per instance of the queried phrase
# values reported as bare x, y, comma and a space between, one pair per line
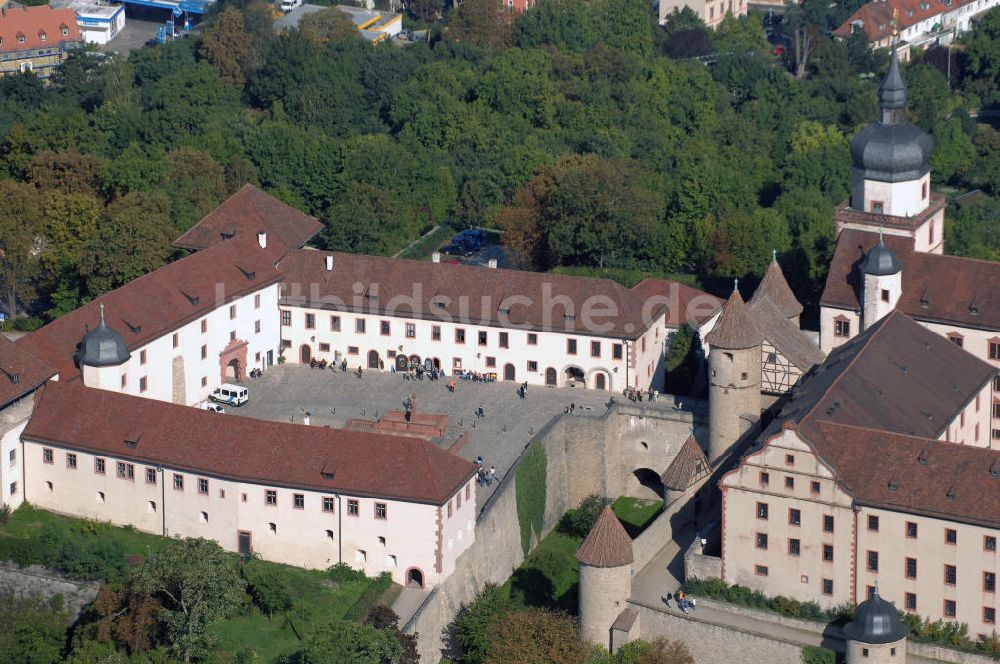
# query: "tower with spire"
100, 356
882, 283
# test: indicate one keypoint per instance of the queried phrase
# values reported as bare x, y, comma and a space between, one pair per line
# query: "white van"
289, 5
234, 395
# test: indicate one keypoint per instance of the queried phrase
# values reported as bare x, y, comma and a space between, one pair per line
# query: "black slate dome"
875, 621
102, 347
892, 149
881, 261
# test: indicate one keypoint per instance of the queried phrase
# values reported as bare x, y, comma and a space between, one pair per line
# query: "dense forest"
582, 129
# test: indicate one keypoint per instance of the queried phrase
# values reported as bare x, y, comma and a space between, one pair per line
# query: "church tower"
101, 354
734, 375
890, 184
882, 283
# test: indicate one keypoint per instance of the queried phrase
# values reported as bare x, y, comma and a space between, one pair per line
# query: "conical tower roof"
735, 329
607, 545
774, 287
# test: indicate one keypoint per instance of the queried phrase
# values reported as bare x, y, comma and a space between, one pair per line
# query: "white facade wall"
900, 199
875, 306
531, 362
100, 25
406, 538
200, 374
11, 479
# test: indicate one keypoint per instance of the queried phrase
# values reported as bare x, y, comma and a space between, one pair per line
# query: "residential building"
711, 12
99, 23
306, 496
919, 23
36, 39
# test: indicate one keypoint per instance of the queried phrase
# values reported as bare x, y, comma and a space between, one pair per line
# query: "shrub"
266, 590
578, 522
817, 655
473, 622
5, 513
344, 573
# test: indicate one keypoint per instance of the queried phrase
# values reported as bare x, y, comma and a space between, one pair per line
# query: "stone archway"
414, 578
233, 361
650, 479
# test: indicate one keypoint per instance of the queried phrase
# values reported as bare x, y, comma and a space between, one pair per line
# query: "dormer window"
42, 35
20, 38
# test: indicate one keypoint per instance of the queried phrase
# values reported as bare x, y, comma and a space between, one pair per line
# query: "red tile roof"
245, 449
246, 212
735, 328
607, 544
686, 304
32, 23
688, 466
877, 17
468, 293
159, 302
20, 372
936, 288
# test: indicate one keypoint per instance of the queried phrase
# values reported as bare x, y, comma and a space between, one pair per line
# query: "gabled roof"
157, 303
877, 19
686, 303
20, 372
245, 449
735, 329
246, 212
784, 335
607, 544
937, 288
774, 287
34, 22
466, 293
688, 466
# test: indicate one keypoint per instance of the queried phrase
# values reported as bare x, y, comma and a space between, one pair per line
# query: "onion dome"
875, 621
881, 260
735, 330
607, 545
774, 287
892, 149
102, 346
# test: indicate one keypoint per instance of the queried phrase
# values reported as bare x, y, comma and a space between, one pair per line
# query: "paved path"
408, 602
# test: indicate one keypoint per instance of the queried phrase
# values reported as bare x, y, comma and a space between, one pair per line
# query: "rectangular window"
286, 317
989, 582
794, 546
324, 347
877, 207
99, 466
491, 362
761, 540
950, 536
327, 504
411, 331
762, 511
827, 586
46, 456
352, 350
873, 523
13, 488
504, 340
765, 478
789, 459
204, 324
532, 339
482, 338
204, 352
352, 507
142, 357
256, 301
203, 486
911, 602
595, 348
384, 328
760, 570
335, 323
989, 615
175, 340
911, 568
310, 321
449, 509
949, 608
178, 482
256, 327
459, 335
71, 460
532, 366
616, 351
436, 333
789, 482
124, 381
828, 553
271, 498
842, 328
232, 312
950, 575
989, 543
13, 457
911, 529
794, 516
151, 476
380, 510
298, 501
359, 325
827, 523
995, 350
814, 488
872, 561
885, 295
120, 470
571, 346
143, 384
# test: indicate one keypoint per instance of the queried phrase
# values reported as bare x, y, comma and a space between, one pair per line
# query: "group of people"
683, 601
417, 372
635, 395
484, 477
476, 377
522, 390
255, 374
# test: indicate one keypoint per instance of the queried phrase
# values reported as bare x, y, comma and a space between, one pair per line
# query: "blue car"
472, 239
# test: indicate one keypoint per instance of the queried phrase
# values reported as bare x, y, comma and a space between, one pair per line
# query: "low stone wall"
40, 582
678, 515
697, 565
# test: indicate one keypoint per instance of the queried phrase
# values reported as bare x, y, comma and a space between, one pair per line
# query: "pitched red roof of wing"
159, 302
469, 293
247, 212
945, 289
17, 364
245, 449
685, 304
32, 23
878, 20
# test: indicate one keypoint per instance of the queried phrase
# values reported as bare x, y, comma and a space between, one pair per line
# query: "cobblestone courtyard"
332, 397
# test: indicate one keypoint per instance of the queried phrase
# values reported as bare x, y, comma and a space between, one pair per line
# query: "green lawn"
549, 576
428, 244
636, 513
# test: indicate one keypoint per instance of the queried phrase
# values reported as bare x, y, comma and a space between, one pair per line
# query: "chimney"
329, 262
436, 257
262, 239
492, 263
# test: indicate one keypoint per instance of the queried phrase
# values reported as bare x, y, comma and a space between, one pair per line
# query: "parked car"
208, 405
455, 249
234, 395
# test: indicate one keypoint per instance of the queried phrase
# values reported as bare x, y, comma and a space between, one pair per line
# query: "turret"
774, 287
875, 636
882, 283
101, 355
734, 374
605, 577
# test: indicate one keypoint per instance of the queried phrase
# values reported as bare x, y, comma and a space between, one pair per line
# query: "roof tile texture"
607, 544
774, 287
17, 364
32, 23
735, 329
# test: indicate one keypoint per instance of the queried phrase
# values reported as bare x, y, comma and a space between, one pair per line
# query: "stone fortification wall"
697, 565
40, 582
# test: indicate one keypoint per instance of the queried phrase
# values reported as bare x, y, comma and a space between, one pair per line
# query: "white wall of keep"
828, 319
406, 538
11, 481
880, 294
255, 321
530, 361
900, 199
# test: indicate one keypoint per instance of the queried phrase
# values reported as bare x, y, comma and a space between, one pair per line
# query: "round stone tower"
100, 356
605, 577
734, 367
882, 283
875, 636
